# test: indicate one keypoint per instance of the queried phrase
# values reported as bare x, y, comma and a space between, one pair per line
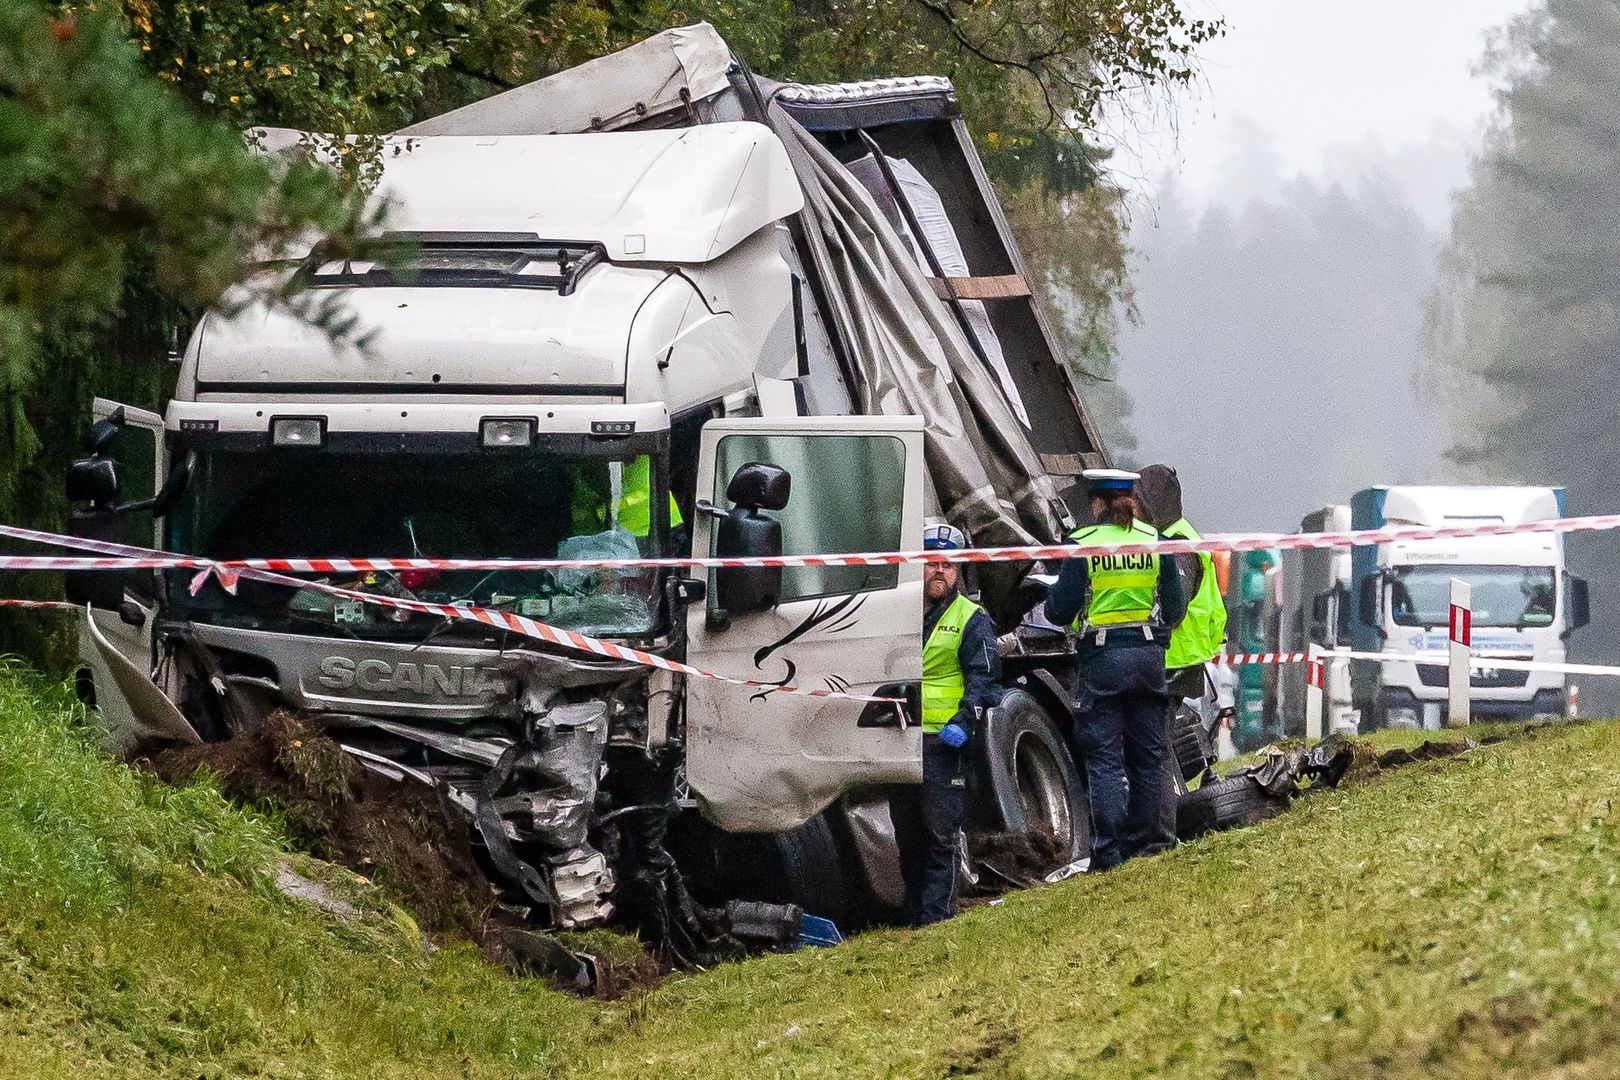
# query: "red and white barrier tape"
127, 557
1211, 543
528, 627
1504, 663
1236, 659
56, 605
131, 557
1436, 658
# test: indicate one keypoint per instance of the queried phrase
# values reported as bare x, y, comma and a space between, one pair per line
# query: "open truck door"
761, 760
121, 480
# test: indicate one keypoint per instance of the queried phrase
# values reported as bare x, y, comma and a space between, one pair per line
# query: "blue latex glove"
953, 735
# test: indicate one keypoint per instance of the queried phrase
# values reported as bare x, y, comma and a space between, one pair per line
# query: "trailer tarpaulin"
912, 355
646, 81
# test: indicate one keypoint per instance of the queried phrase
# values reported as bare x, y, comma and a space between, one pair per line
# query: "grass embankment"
1453, 917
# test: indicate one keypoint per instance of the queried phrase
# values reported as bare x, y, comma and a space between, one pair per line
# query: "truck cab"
1525, 602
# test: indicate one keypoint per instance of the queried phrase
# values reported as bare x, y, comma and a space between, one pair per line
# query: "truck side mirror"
743, 532
1370, 586
93, 480
1580, 605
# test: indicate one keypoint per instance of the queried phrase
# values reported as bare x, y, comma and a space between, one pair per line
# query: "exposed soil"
622, 973
1428, 751
1008, 860
395, 834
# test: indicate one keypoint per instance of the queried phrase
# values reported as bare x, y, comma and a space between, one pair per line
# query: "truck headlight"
498, 432
297, 431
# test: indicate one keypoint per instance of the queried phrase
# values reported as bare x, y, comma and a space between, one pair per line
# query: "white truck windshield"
1517, 596
405, 503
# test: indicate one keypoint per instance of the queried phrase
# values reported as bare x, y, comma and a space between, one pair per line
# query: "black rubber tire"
1225, 803
1027, 778
814, 872
801, 866
1189, 743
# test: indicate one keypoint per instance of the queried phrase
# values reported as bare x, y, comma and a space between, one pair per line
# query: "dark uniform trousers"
927, 833
1122, 703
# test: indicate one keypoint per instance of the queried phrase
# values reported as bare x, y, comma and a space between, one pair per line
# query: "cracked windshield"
412, 504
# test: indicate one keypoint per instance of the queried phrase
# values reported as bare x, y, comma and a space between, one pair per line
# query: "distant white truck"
1395, 598
1316, 602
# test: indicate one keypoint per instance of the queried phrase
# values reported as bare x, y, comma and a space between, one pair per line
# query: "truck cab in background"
1317, 602
1526, 604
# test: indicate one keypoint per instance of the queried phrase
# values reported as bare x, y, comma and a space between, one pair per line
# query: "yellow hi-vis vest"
634, 512
1124, 588
635, 498
1203, 629
942, 681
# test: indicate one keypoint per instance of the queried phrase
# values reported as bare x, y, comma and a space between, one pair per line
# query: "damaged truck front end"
561, 769
515, 741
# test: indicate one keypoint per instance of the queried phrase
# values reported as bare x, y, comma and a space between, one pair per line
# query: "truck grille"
1482, 679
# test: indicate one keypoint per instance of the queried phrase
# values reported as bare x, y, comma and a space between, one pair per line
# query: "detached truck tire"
1225, 803
1028, 778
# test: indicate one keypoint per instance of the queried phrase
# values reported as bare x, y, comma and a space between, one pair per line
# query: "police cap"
1109, 479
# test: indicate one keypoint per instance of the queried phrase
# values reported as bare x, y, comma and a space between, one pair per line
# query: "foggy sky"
1286, 228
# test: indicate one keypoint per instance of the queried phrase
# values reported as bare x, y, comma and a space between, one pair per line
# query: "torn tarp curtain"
912, 356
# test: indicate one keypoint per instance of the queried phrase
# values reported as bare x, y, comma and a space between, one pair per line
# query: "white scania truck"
1395, 598
644, 309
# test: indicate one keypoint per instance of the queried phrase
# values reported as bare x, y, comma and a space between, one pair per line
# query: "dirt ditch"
396, 835
393, 834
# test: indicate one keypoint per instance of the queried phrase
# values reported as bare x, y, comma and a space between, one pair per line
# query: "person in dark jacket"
960, 680
1122, 606
1200, 636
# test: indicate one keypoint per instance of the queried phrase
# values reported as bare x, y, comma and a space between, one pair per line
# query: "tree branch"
945, 15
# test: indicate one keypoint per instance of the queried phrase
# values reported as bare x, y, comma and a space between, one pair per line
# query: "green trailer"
1252, 606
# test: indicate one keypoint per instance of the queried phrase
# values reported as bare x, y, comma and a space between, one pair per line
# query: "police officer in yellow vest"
1200, 635
1122, 606
960, 670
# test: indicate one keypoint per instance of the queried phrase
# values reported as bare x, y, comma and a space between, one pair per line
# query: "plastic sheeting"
940, 236
647, 80
913, 359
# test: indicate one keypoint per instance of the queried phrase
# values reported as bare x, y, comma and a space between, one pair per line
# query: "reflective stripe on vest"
942, 681
1124, 588
1203, 629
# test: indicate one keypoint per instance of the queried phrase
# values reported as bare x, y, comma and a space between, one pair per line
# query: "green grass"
1455, 917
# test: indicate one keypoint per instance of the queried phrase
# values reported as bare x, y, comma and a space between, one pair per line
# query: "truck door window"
846, 497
